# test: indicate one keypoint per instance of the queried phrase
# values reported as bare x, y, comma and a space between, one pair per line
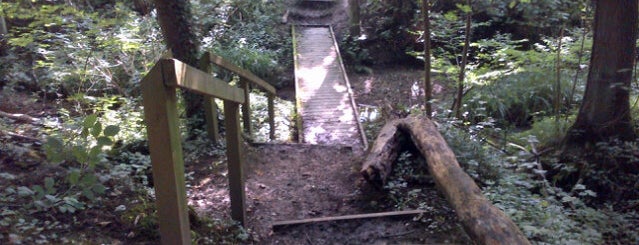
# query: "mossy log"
483, 222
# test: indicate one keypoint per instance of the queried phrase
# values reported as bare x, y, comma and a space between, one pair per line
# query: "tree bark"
483, 222
427, 83
355, 20
3, 26
175, 21
462, 68
605, 110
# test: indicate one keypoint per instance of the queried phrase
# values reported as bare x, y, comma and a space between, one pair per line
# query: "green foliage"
517, 97
84, 152
474, 157
247, 33
548, 132
60, 49
355, 55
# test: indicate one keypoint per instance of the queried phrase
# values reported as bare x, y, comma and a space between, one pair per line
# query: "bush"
516, 98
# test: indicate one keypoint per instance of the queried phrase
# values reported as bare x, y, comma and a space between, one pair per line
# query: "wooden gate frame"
161, 117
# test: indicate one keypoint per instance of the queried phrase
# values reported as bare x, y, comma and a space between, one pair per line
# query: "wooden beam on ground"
218, 60
210, 107
161, 118
279, 224
235, 161
179, 74
483, 222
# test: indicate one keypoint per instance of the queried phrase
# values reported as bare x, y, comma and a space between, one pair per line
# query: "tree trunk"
462, 68
355, 21
605, 110
3, 26
483, 222
427, 83
175, 21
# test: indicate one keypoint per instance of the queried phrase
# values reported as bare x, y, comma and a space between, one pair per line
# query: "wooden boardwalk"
325, 106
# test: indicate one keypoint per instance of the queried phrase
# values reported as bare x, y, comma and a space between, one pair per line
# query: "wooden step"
315, 4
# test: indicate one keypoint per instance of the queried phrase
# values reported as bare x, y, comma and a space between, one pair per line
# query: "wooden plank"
271, 117
350, 92
178, 73
218, 60
278, 224
210, 107
298, 101
246, 107
161, 118
235, 161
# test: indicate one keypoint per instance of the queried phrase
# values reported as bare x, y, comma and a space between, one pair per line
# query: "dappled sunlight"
368, 85
328, 116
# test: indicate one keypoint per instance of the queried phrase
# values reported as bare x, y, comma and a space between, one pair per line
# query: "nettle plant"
82, 152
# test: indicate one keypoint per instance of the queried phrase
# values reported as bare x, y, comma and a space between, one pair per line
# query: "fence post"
271, 116
210, 107
246, 107
161, 118
235, 159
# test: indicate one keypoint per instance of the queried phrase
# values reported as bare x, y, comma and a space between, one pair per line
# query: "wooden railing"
246, 79
160, 113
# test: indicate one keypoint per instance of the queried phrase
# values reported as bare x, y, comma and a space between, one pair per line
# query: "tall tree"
3, 26
427, 83
175, 21
605, 110
355, 20
462, 67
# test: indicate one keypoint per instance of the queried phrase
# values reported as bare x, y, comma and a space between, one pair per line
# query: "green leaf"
89, 180
74, 177
55, 143
99, 188
464, 8
102, 141
90, 120
97, 129
95, 151
88, 194
80, 154
111, 130
24, 191
39, 191
48, 183
512, 4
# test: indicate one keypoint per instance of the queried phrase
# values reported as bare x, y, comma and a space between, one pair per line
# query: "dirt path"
291, 181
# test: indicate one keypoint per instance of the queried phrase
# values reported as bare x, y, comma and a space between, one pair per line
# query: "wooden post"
271, 116
235, 158
210, 107
246, 107
160, 114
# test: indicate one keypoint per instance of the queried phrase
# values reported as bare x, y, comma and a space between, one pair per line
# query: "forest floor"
298, 181
284, 182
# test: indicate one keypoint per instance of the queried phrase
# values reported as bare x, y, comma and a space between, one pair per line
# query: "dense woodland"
537, 99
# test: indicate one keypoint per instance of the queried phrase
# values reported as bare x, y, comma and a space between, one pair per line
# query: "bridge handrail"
243, 73
179, 74
165, 145
246, 77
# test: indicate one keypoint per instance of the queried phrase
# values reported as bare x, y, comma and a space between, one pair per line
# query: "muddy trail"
297, 181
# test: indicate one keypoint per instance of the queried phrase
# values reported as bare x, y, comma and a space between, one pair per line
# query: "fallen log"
483, 222
21, 117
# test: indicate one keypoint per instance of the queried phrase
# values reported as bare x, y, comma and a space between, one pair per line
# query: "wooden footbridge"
325, 104
327, 114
